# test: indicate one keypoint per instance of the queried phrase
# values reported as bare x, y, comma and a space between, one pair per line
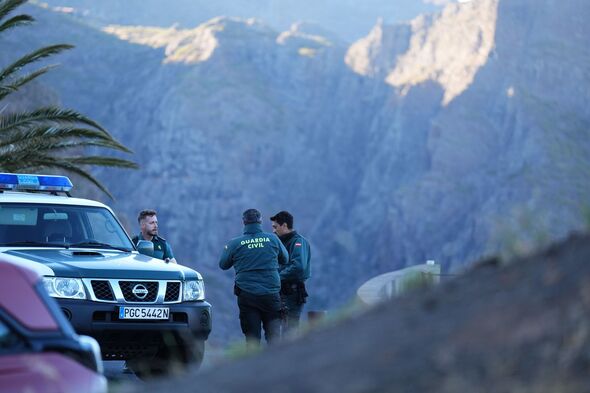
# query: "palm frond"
40, 161
76, 144
103, 161
49, 131
53, 137
6, 7
23, 153
19, 20
88, 176
64, 164
31, 58
45, 138
43, 116
14, 86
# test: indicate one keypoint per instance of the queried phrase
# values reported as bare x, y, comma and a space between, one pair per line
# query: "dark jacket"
298, 269
256, 257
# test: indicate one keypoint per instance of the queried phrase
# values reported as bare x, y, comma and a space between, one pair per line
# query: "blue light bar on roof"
12, 181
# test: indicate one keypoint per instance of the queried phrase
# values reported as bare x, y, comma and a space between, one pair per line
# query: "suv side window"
102, 228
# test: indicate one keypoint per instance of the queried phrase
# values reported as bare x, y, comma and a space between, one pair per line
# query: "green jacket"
256, 257
162, 249
298, 268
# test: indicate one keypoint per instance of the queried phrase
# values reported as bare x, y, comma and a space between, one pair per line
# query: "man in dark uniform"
296, 271
256, 257
148, 223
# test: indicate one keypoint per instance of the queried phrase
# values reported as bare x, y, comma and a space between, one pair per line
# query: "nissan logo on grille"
140, 291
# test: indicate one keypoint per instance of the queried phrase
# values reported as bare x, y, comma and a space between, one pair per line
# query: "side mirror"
91, 353
145, 247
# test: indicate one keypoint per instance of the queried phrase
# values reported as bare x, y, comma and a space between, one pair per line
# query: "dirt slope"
519, 327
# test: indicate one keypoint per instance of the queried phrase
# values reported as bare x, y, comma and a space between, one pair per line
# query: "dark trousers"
294, 307
293, 296
257, 311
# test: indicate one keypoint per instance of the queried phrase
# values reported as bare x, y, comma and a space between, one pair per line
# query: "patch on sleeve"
297, 244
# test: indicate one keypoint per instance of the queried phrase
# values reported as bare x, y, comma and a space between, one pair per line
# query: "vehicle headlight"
193, 290
69, 288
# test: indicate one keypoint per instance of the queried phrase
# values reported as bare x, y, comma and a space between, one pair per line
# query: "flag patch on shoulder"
297, 244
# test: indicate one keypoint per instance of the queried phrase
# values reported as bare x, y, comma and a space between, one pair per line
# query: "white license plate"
144, 312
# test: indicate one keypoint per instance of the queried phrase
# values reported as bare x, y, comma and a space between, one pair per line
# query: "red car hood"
47, 373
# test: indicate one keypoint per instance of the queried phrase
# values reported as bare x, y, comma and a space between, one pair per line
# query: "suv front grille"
102, 290
139, 291
134, 291
172, 292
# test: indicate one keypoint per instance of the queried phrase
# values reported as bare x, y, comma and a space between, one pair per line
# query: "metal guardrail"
388, 285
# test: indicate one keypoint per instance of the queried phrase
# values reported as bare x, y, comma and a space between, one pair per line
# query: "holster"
287, 288
297, 288
301, 293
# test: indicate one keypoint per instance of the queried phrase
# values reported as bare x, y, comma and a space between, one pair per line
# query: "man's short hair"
251, 216
283, 217
145, 213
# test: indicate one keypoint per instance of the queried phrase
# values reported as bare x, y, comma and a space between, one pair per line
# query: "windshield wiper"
97, 245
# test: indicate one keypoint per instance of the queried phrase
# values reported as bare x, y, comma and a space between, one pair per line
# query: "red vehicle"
39, 350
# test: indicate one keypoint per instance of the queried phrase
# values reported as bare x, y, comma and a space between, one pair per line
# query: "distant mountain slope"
350, 19
504, 164
380, 173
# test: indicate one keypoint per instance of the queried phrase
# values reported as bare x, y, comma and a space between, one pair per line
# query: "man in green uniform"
296, 271
148, 223
256, 257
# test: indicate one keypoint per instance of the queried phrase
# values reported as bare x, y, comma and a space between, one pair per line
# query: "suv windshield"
48, 225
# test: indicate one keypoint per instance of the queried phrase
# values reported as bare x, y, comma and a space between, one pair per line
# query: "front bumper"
124, 339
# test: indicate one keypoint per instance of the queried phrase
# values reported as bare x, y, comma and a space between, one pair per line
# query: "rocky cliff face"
498, 165
447, 138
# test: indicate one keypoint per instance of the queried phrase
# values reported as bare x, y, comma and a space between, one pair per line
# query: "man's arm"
168, 255
297, 259
283, 254
225, 260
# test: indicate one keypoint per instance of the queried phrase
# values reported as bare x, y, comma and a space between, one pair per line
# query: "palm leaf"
14, 86
76, 144
42, 138
33, 57
44, 116
16, 21
68, 164
56, 131
103, 161
6, 7
64, 164
23, 153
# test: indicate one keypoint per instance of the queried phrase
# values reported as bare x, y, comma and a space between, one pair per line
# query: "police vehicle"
140, 309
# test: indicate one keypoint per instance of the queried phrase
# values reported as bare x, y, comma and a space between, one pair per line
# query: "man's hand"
170, 260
